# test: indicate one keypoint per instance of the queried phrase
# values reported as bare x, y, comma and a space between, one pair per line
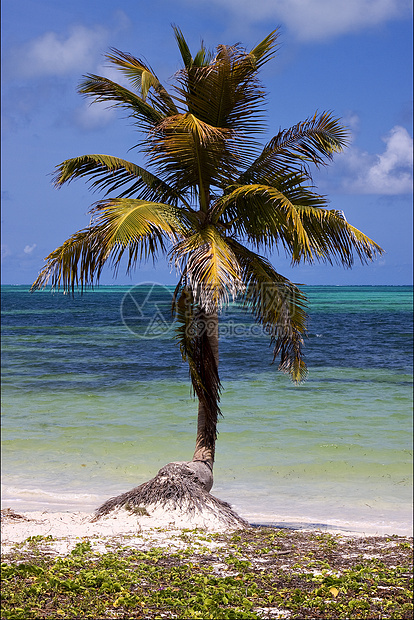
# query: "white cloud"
28, 249
320, 19
54, 55
92, 116
352, 121
390, 172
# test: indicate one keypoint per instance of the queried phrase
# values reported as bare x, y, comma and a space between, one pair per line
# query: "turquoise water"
91, 408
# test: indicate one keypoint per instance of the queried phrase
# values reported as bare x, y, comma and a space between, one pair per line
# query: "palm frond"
183, 47
105, 90
278, 305
267, 216
105, 172
333, 240
297, 219
136, 228
78, 262
143, 79
265, 50
191, 154
126, 218
226, 93
201, 59
206, 135
313, 141
211, 269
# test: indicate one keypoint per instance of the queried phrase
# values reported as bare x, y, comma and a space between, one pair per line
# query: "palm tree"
211, 198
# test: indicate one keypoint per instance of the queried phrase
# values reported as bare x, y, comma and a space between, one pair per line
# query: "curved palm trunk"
208, 408
183, 487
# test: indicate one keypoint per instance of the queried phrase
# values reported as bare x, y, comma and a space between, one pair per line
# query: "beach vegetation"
212, 582
217, 203
39, 538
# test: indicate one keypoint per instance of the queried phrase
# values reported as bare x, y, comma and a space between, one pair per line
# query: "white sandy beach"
63, 530
69, 528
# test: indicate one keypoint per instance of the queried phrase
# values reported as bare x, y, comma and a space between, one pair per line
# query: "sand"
159, 528
63, 530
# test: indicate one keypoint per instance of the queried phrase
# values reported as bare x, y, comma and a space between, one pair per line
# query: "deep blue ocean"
96, 398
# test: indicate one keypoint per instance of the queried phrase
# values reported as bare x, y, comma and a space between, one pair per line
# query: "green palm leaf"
136, 228
211, 270
224, 94
312, 141
105, 90
278, 305
296, 218
191, 155
105, 172
143, 79
267, 216
265, 50
78, 262
201, 59
126, 218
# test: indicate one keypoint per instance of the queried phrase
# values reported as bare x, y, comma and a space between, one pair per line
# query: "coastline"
65, 528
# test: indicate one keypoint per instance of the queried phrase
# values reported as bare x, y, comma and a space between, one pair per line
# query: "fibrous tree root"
181, 487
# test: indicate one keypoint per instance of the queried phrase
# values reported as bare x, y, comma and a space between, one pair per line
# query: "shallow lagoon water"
90, 408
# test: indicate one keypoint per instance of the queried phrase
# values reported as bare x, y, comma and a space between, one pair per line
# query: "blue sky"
349, 56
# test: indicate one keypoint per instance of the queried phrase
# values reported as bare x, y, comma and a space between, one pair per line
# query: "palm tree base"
178, 491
